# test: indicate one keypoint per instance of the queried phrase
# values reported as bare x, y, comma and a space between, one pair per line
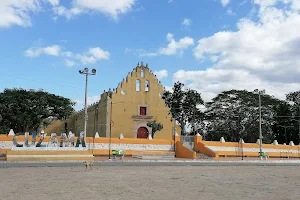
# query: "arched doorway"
142, 132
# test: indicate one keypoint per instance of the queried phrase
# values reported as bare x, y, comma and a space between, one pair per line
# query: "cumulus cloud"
90, 57
173, 48
261, 54
16, 12
176, 47
161, 74
112, 8
53, 50
93, 55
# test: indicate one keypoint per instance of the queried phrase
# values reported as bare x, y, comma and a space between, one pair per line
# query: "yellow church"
125, 110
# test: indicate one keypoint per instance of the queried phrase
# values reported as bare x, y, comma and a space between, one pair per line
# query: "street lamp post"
260, 92
86, 72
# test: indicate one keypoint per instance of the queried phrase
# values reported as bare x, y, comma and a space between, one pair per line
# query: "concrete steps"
203, 156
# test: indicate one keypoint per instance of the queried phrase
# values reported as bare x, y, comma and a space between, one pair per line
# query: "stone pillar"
177, 138
222, 140
197, 138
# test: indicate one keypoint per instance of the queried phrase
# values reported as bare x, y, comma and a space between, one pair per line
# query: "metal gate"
188, 141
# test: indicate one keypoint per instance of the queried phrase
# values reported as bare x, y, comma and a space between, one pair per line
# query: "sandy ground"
139, 183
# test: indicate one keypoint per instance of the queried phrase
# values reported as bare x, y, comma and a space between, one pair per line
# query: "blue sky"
211, 45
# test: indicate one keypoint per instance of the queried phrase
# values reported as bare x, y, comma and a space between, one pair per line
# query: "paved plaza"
151, 182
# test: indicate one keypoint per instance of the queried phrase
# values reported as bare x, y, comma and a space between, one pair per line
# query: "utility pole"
86, 72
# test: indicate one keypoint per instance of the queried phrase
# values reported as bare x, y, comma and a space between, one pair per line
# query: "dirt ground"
139, 183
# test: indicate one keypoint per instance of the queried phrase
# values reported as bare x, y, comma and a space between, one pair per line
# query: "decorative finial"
109, 89
142, 64
146, 64
138, 64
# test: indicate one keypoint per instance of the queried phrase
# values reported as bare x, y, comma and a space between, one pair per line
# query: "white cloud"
186, 22
170, 1
226, 2
93, 55
112, 8
161, 74
174, 47
16, 12
70, 63
53, 50
261, 54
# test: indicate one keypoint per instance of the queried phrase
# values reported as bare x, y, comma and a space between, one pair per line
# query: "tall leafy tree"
183, 104
24, 110
231, 111
288, 115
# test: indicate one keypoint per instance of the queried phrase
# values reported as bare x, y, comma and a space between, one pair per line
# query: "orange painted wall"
201, 146
202, 149
183, 152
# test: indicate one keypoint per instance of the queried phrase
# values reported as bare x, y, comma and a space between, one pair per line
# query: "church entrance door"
142, 132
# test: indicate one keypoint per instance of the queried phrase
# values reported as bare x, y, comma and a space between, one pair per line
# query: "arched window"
142, 73
147, 86
138, 85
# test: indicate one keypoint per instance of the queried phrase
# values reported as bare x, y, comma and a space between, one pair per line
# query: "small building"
126, 109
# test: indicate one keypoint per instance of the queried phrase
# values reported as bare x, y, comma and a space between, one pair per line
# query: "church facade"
126, 109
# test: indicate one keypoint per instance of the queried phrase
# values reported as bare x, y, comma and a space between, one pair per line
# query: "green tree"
24, 110
155, 127
232, 110
288, 115
183, 104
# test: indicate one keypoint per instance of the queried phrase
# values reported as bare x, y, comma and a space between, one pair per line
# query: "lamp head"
86, 70
80, 72
94, 71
